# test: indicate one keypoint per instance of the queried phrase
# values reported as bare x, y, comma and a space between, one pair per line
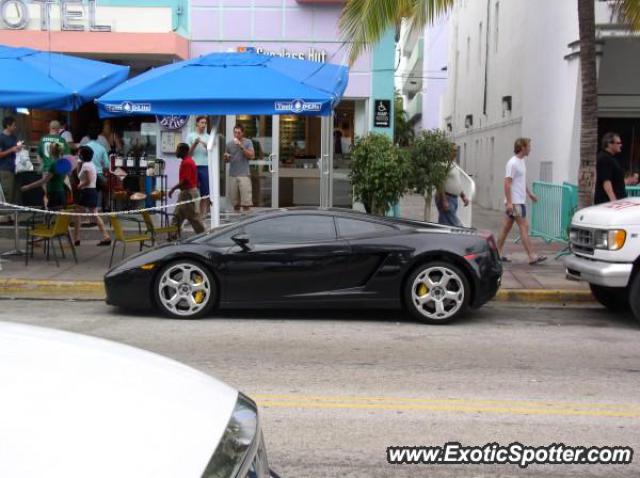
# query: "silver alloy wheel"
184, 289
437, 293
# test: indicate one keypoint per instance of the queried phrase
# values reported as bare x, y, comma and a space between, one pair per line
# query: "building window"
496, 36
468, 52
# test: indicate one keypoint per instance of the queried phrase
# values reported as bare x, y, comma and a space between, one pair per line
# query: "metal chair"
59, 230
154, 230
120, 236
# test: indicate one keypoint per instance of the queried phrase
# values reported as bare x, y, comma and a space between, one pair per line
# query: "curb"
52, 289
557, 296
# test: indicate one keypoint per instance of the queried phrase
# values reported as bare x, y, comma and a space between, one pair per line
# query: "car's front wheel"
634, 296
185, 290
615, 299
437, 292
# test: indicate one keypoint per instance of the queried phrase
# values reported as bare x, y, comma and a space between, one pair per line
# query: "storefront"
141, 34
288, 170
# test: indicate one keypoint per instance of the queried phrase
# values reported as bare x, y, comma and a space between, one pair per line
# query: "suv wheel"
616, 299
634, 296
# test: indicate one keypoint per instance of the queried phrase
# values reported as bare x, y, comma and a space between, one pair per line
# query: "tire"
437, 278
185, 299
615, 299
634, 296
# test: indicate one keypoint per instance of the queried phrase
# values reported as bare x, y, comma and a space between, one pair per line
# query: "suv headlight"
241, 450
611, 240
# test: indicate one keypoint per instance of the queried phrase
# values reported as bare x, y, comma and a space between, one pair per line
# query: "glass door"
263, 131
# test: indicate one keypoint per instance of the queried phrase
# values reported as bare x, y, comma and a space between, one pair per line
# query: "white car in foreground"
77, 406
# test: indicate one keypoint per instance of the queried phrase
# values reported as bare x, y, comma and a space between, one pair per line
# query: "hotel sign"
14, 15
310, 54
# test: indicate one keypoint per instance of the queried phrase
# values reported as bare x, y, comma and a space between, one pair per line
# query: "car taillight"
487, 236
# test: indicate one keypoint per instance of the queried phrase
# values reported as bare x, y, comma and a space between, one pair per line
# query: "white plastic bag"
23, 161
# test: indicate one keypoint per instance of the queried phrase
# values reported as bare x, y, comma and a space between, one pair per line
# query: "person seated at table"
55, 173
88, 198
188, 186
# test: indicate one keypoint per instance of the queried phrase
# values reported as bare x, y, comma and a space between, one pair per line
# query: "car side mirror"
242, 240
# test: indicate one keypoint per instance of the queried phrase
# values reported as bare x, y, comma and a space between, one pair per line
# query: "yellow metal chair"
120, 236
59, 230
154, 230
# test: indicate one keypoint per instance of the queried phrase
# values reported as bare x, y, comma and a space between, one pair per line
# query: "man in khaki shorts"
238, 153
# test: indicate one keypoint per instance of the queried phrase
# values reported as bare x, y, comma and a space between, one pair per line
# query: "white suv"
605, 252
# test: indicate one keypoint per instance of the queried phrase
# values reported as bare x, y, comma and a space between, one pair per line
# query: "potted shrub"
379, 172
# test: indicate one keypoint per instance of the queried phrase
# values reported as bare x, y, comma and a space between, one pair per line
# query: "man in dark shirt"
610, 180
9, 146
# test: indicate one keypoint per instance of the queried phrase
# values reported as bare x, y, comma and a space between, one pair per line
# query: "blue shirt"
100, 157
8, 162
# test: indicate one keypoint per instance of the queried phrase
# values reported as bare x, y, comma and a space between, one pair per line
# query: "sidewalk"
41, 279
518, 274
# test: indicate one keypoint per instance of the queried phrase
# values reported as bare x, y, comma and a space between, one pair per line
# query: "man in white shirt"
197, 141
64, 132
516, 192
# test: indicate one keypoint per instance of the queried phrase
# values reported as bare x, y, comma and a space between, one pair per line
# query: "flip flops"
538, 260
505, 259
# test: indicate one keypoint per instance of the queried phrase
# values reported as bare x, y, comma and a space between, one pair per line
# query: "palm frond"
363, 22
629, 12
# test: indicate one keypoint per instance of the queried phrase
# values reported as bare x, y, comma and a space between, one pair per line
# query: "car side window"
358, 228
298, 228
223, 238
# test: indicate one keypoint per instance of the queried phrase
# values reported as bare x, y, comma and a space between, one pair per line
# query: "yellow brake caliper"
198, 297
422, 290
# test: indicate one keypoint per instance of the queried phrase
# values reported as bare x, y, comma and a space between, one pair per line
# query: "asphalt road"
337, 388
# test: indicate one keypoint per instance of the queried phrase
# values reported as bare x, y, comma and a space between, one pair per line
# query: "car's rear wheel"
437, 292
184, 289
615, 299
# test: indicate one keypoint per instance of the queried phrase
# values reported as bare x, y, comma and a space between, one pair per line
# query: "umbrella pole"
214, 173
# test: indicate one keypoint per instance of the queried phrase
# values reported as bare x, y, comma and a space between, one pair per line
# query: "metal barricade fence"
633, 191
551, 215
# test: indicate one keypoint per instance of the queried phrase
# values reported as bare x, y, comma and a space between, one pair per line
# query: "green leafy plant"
379, 172
403, 133
430, 162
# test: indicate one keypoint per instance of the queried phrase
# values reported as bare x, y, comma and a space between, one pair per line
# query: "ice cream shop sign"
74, 15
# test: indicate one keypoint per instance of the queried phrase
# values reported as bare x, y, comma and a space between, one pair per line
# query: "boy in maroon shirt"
188, 185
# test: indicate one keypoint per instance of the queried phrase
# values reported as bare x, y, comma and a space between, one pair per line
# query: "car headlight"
611, 240
241, 450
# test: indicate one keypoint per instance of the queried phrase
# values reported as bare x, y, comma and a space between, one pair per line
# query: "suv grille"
582, 240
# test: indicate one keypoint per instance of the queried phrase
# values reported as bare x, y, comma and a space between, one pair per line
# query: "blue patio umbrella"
230, 83
37, 79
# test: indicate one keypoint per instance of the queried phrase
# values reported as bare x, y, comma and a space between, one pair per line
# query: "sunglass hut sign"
74, 15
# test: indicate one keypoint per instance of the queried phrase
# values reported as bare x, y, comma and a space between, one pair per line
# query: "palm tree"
589, 111
403, 133
363, 22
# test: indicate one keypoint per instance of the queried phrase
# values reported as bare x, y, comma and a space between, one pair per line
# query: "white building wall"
436, 38
533, 57
521, 54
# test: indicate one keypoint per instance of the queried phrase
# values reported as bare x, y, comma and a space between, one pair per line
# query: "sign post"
382, 113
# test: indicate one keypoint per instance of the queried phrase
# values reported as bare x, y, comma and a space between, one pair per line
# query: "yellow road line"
514, 407
348, 398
